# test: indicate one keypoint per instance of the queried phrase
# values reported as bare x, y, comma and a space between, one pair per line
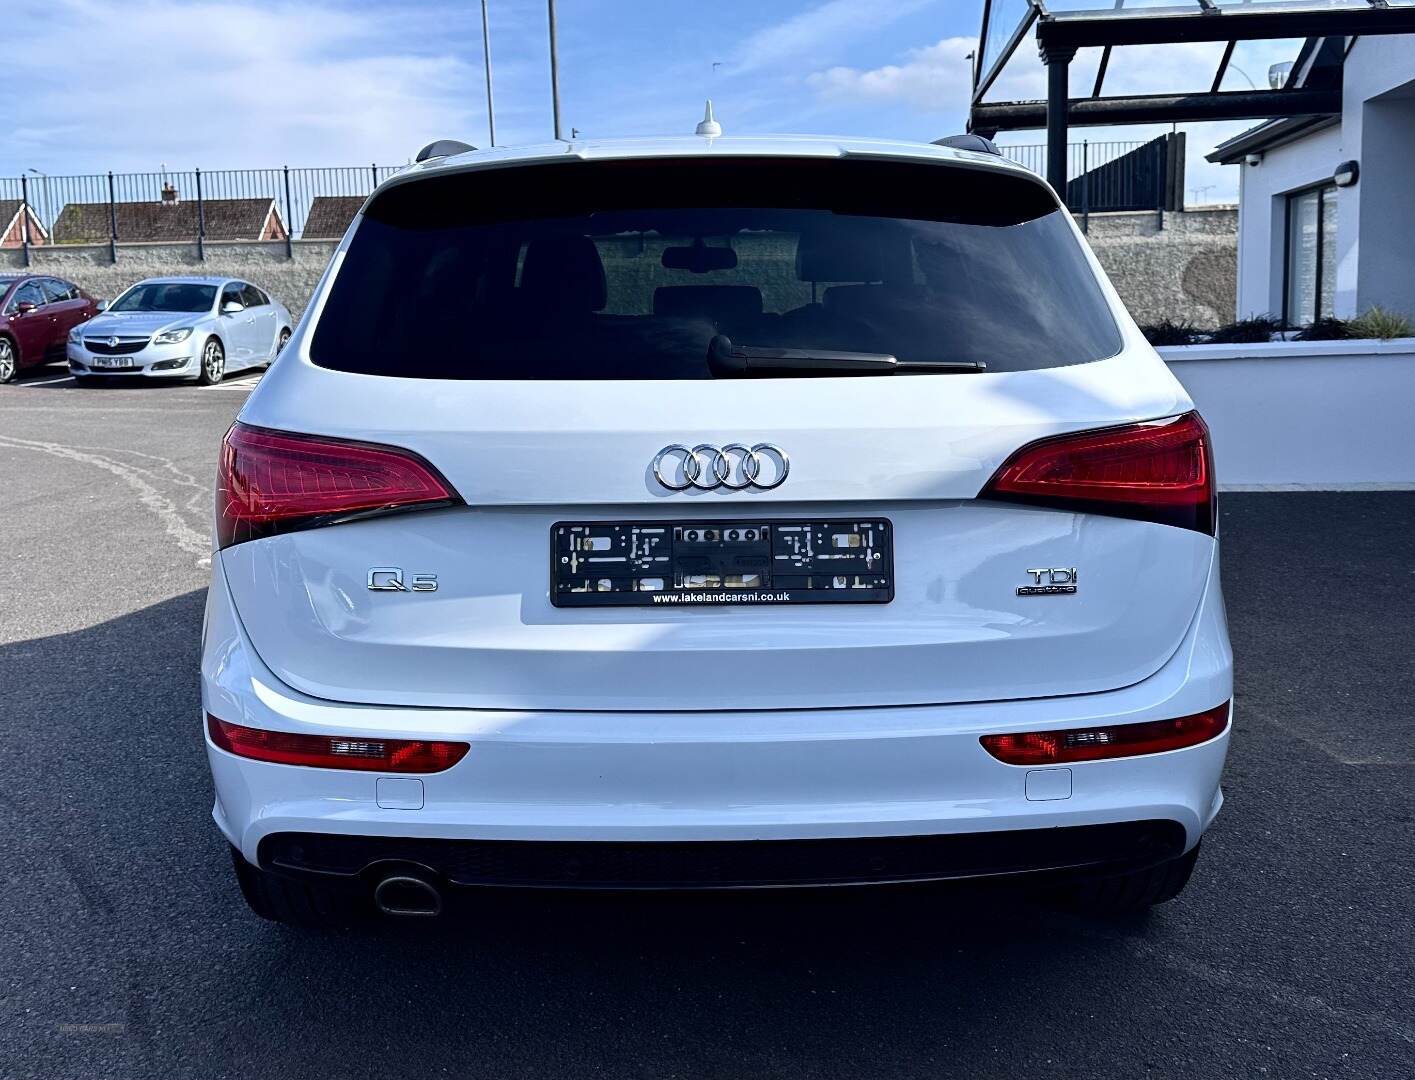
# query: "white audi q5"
711, 513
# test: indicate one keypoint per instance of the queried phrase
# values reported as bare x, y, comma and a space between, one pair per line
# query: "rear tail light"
1159, 471
335, 751
1107, 741
274, 481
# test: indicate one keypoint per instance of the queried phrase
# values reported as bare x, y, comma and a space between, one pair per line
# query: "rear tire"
9, 361
295, 903
1134, 892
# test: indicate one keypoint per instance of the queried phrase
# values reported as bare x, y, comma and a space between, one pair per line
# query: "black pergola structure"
1059, 34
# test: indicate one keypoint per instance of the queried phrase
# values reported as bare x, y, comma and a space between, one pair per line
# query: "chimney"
169, 195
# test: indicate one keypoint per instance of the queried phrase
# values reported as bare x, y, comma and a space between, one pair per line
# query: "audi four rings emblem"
735, 466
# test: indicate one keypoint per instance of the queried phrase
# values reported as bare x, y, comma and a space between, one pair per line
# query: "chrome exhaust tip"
400, 894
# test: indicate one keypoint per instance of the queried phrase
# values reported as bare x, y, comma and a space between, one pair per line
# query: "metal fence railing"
192, 205
1081, 157
283, 204
1113, 175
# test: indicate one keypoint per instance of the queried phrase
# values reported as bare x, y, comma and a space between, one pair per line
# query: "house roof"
10, 212
225, 219
330, 215
1269, 135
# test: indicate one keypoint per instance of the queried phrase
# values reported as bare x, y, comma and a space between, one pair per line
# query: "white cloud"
824, 29
227, 83
937, 77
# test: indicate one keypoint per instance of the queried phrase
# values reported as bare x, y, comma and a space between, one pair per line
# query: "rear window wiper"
725, 358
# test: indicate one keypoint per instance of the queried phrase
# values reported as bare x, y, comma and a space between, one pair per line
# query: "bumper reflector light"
1110, 741
335, 751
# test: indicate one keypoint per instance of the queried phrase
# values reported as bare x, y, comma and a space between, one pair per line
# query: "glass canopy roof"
1007, 72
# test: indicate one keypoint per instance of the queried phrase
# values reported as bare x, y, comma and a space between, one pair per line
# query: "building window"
1311, 256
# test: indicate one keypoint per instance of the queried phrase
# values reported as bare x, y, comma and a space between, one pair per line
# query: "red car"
36, 314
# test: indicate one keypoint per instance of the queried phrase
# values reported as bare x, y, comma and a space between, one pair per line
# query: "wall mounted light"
1347, 173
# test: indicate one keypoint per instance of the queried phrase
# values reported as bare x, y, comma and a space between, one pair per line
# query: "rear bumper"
727, 864
630, 778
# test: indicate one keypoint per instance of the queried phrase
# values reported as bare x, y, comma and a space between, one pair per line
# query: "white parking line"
54, 381
251, 385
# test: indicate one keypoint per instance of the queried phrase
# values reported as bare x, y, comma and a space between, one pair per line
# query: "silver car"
180, 327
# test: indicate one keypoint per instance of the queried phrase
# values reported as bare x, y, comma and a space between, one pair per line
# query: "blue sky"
244, 83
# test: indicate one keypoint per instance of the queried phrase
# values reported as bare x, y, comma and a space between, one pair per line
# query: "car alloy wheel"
284, 340
213, 363
7, 361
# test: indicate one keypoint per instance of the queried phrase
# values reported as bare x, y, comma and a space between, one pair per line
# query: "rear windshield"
630, 270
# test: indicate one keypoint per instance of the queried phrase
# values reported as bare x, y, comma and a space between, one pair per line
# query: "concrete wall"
1375, 217
1262, 217
1377, 244
1305, 415
291, 281
1185, 271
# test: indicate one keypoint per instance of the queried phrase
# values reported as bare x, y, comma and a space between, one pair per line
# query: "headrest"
721, 303
847, 249
564, 273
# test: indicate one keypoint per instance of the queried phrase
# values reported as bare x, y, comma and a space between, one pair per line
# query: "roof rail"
976, 143
443, 148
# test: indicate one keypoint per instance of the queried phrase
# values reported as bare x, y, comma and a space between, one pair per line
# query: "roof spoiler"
443, 148
976, 143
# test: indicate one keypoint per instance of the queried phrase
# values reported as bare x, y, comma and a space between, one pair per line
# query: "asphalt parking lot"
125, 951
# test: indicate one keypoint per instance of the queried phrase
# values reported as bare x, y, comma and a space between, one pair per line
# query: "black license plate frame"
715, 563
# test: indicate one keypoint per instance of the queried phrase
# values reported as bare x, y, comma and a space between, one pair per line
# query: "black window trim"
1321, 188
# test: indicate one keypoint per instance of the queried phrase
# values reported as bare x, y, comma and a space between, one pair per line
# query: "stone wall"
1186, 271
289, 280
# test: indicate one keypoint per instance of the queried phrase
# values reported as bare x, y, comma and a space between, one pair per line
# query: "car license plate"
116, 363
710, 563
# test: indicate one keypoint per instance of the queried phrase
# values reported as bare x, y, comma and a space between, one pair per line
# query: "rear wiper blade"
725, 358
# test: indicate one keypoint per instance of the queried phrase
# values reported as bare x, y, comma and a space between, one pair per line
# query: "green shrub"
1376, 322
1169, 332
1260, 328
1327, 329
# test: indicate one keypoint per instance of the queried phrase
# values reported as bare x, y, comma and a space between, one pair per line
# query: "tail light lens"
1111, 741
335, 751
1159, 471
274, 481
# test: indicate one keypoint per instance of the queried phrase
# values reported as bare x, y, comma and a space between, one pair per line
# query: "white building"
1326, 222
